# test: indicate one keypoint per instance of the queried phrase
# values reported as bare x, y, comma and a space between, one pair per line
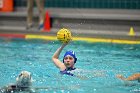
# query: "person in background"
40, 5
133, 77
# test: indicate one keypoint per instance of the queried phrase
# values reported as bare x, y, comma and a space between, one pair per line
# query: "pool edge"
75, 38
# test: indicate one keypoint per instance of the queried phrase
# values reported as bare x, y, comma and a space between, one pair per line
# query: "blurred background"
95, 4
90, 18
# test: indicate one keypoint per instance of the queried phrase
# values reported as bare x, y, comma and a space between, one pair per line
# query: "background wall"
109, 4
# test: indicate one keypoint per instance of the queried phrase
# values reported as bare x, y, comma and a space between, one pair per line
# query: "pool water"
98, 63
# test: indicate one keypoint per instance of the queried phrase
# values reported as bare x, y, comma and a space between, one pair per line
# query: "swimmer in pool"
68, 63
23, 83
133, 77
67, 67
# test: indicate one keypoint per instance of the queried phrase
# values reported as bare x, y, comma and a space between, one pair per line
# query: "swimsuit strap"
70, 69
66, 71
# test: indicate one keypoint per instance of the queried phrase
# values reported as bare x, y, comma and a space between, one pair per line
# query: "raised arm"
56, 60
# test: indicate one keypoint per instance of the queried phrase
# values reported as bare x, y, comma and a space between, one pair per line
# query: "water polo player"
68, 63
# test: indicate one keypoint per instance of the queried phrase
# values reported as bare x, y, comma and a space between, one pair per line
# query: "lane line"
92, 40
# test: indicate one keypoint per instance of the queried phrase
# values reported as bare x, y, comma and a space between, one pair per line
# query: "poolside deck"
93, 23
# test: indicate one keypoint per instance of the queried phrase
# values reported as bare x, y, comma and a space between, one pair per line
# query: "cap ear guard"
75, 60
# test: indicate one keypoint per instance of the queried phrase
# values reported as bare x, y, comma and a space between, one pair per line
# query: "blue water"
98, 62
